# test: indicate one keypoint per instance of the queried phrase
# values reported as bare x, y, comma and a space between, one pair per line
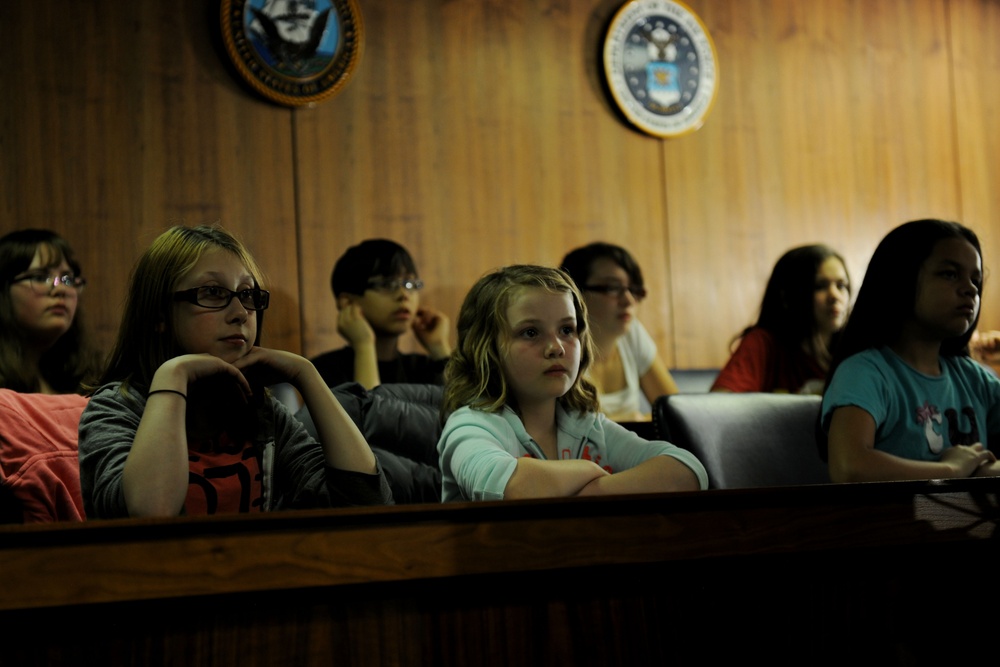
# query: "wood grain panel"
139, 559
121, 120
975, 41
832, 125
631, 581
627, 580
477, 135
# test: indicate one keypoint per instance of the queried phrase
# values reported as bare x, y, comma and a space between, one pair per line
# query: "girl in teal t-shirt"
905, 401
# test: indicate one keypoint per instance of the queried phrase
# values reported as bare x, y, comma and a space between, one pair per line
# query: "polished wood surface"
139, 559
478, 133
627, 580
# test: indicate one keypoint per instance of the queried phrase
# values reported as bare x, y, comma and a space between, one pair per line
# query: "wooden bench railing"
821, 546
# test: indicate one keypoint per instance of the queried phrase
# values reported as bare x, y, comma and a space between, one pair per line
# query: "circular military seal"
661, 66
293, 52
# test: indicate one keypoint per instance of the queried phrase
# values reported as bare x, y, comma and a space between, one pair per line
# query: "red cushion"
38, 454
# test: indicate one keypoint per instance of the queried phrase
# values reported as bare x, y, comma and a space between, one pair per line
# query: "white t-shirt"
637, 351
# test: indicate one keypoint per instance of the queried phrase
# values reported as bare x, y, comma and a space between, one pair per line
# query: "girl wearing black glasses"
182, 423
628, 373
42, 347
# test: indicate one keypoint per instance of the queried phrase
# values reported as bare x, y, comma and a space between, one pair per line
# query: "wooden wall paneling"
493, 147
355, 162
124, 122
824, 130
479, 134
224, 155
70, 161
975, 40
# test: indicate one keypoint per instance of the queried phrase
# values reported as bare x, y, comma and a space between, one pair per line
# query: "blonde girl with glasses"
42, 346
182, 424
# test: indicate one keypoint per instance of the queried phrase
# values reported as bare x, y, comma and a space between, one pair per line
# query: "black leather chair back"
746, 440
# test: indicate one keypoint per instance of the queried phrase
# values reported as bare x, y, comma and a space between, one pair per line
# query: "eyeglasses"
42, 282
217, 298
618, 291
387, 286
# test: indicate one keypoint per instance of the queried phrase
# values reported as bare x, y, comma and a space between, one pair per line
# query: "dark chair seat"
746, 440
402, 424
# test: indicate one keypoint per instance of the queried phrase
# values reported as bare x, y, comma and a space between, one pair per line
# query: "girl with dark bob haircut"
788, 348
42, 346
627, 371
905, 401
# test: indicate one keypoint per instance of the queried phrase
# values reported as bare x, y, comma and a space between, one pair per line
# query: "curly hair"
474, 375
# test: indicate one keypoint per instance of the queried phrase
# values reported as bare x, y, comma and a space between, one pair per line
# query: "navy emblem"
293, 52
661, 67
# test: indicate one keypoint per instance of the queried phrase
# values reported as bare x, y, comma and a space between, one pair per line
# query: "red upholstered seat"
38, 454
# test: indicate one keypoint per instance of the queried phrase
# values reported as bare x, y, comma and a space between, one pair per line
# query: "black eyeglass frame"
259, 298
393, 286
68, 280
638, 291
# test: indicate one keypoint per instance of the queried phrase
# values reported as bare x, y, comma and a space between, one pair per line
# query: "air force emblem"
661, 67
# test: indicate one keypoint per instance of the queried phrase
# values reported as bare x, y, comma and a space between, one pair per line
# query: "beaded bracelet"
167, 391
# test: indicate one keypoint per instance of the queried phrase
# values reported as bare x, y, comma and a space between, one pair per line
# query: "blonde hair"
146, 336
474, 375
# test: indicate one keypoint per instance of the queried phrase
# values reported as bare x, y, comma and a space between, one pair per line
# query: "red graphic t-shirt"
225, 477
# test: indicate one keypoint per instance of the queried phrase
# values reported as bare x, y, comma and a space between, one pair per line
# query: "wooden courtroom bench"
809, 574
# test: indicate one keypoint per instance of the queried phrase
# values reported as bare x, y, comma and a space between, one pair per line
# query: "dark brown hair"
70, 361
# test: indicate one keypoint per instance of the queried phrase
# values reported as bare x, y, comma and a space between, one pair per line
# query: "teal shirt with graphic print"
917, 415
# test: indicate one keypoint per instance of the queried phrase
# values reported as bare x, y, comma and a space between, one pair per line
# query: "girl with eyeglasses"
42, 346
628, 373
181, 423
788, 349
